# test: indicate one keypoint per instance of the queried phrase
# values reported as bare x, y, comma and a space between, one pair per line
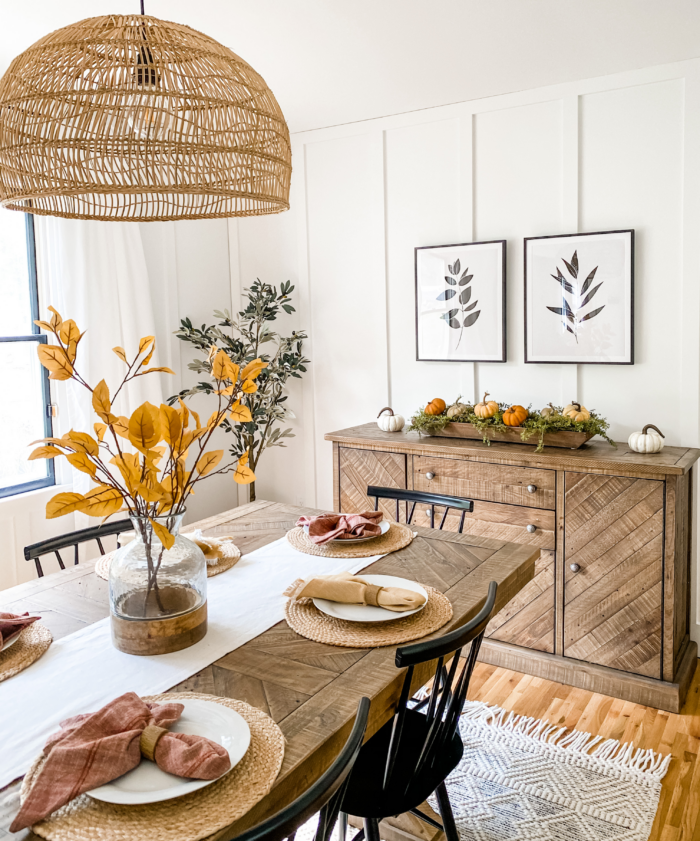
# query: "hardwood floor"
678, 817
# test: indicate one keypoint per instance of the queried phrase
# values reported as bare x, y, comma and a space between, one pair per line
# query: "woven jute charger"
306, 619
397, 537
189, 818
33, 641
222, 564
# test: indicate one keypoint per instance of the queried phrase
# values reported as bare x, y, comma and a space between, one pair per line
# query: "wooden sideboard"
609, 607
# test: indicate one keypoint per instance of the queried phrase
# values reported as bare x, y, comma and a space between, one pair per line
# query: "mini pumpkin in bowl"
436, 406
486, 409
515, 415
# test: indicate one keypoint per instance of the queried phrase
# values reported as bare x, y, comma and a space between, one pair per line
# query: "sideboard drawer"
531, 487
494, 519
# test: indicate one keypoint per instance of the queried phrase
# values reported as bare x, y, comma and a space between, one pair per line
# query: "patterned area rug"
521, 778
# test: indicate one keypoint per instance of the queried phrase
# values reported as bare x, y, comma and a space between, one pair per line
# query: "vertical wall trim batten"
468, 370
234, 274
385, 262
570, 210
305, 311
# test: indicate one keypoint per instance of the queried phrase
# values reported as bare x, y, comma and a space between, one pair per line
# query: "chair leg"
371, 829
448, 819
343, 827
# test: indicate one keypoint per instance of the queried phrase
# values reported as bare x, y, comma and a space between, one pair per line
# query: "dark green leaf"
587, 282
465, 295
592, 314
446, 295
590, 295
470, 319
464, 280
450, 280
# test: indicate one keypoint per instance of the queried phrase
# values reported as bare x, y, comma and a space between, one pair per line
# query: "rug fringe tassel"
623, 755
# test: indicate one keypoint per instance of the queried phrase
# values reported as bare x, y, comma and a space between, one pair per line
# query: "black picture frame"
526, 283
503, 343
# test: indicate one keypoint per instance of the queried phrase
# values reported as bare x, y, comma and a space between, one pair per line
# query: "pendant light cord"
142, 11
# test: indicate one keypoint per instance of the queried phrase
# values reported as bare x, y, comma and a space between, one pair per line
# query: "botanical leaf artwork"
576, 296
463, 314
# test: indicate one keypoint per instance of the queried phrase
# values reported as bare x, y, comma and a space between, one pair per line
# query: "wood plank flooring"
678, 817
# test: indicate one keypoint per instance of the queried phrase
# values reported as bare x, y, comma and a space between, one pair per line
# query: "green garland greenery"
535, 424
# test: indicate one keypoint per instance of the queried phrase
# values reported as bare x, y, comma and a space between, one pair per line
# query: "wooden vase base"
159, 636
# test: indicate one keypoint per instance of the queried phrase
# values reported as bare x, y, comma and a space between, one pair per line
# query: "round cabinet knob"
532, 529
429, 476
574, 567
531, 489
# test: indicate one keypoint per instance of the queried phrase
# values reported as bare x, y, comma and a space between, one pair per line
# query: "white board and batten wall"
601, 154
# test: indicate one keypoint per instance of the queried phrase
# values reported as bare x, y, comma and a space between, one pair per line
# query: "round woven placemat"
306, 619
33, 641
188, 818
222, 564
397, 537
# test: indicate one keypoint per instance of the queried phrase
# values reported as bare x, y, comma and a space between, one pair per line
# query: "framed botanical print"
579, 298
461, 302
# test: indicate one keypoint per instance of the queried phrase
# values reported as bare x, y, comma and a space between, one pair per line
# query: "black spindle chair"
323, 796
73, 538
411, 756
424, 498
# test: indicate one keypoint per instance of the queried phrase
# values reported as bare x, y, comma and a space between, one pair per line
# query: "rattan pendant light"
128, 117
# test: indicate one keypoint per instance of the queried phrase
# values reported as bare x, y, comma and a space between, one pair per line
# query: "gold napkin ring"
372, 595
149, 739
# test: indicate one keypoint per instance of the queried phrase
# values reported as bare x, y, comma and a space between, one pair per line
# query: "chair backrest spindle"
414, 497
73, 539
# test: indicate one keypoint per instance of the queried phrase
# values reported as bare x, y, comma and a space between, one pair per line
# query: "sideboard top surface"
596, 454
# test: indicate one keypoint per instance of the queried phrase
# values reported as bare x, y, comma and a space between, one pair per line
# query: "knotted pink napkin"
95, 748
12, 623
342, 526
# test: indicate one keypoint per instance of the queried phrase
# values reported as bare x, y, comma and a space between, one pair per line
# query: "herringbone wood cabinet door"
360, 468
614, 532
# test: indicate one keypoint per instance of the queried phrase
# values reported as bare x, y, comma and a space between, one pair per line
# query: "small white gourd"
647, 442
390, 422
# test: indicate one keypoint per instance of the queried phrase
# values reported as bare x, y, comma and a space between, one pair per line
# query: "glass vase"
158, 596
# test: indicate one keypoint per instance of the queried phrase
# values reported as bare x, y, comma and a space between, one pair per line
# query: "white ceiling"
337, 61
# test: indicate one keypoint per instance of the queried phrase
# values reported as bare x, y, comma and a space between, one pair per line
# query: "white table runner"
83, 671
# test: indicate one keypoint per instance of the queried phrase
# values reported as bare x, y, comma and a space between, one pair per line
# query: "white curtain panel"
95, 273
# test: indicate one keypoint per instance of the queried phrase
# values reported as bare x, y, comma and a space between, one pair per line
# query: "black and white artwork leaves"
455, 318
460, 302
579, 298
572, 307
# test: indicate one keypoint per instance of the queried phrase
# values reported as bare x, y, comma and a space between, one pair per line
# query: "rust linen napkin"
95, 748
352, 589
12, 623
339, 526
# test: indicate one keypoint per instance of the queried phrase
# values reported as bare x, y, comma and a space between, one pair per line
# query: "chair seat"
364, 796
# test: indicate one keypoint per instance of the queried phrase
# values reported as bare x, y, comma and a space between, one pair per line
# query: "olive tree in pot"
250, 336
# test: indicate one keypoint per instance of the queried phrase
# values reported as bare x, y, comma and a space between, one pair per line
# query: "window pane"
22, 413
16, 312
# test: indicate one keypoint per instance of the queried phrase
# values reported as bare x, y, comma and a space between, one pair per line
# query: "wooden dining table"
310, 689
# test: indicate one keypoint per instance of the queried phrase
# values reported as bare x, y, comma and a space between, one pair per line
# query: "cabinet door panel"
612, 601
360, 468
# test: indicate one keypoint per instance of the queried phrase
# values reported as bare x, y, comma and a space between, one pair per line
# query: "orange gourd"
514, 416
435, 407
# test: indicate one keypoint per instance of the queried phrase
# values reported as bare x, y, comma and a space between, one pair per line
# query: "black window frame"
34, 336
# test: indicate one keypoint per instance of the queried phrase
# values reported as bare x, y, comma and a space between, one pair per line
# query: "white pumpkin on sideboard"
390, 422
645, 441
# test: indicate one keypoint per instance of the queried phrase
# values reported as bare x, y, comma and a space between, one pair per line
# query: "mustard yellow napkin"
352, 589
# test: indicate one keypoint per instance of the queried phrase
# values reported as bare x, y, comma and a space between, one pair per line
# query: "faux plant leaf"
101, 402
45, 452
215, 420
184, 412
454, 323
161, 370
44, 325
240, 413
56, 319
121, 426
243, 475
170, 425
197, 421
465, 280
55, 359
82, 463
69, 332
121, 353
587, 282
564, 282
446, 295
465, 295
470, 319
151, 493
145, 342
450, 280
253, 369
573, 270
470, 307
162, 534
589, 296
592, 314
249, 387
128, 466
62, 504
222, 367
100, 429
208, 461
144, 427
457, 267
101, 501
82, 442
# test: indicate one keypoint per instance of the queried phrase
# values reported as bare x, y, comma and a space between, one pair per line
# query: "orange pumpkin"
435, 407
514, 416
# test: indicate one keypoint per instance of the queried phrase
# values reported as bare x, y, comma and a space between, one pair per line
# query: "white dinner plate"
147, 783
368, 613
385, 525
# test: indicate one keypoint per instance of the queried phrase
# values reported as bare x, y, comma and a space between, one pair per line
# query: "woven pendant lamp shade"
128, 117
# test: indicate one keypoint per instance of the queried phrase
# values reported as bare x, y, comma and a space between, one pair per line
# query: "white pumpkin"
647, 442
390, 422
